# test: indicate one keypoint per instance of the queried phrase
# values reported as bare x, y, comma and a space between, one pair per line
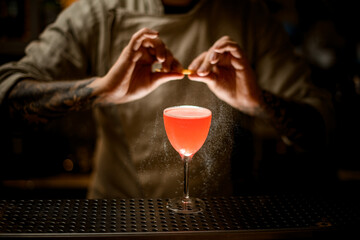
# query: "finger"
221, 41
148, 43
156, 48
201, 64
177, 67
140, 36
214, 57
166, 64
161, 78
208, 80
136, 56
225, 44
152, 51
205, 66
232, 48
223, 38
160, 49
195, 64
171, 64
237, 63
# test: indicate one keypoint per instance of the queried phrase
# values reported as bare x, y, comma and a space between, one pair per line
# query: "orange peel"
184, 71
187, 71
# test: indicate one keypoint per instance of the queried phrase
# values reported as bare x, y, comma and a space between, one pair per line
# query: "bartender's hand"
228, 74
131, 77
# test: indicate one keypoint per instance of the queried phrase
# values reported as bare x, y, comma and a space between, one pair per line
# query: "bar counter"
281, 216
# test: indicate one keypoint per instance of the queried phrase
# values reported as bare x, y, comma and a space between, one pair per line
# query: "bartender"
101, 55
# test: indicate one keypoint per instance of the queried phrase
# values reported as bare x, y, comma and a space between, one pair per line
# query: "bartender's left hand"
228, 74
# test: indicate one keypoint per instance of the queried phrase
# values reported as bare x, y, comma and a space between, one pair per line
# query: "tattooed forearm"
299, 123
38, 101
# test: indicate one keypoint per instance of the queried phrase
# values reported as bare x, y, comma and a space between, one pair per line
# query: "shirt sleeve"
281, 71
66, 50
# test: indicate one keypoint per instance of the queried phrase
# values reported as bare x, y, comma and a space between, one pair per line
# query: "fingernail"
151, 31
152, 35
161, 59
136, 46
201, 71
212, 56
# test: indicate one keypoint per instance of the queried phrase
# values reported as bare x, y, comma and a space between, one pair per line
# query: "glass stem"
186, 178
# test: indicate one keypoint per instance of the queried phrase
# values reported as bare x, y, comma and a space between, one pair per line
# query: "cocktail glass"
187, 128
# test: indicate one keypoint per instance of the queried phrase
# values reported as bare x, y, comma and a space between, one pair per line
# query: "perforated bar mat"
234, 216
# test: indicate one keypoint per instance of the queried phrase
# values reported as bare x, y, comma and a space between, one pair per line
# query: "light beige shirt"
133, 155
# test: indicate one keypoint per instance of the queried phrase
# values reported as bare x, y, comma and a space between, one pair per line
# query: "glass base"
186, 206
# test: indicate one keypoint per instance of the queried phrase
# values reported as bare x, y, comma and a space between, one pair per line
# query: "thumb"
160, 78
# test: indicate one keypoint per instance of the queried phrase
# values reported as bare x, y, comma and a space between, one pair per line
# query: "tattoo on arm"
300, 123
39, 101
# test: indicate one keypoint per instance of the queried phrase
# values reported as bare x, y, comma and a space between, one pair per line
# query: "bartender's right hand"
131, 77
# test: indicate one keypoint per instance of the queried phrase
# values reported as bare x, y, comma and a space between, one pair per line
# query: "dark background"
55, 160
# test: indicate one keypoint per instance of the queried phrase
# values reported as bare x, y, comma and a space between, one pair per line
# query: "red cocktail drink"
187, 128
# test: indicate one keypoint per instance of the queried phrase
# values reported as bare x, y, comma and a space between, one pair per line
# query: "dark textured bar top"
250, 217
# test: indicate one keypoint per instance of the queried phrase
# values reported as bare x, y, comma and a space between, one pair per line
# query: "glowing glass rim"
206, 111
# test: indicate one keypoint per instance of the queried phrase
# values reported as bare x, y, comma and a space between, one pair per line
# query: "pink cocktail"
187, 128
